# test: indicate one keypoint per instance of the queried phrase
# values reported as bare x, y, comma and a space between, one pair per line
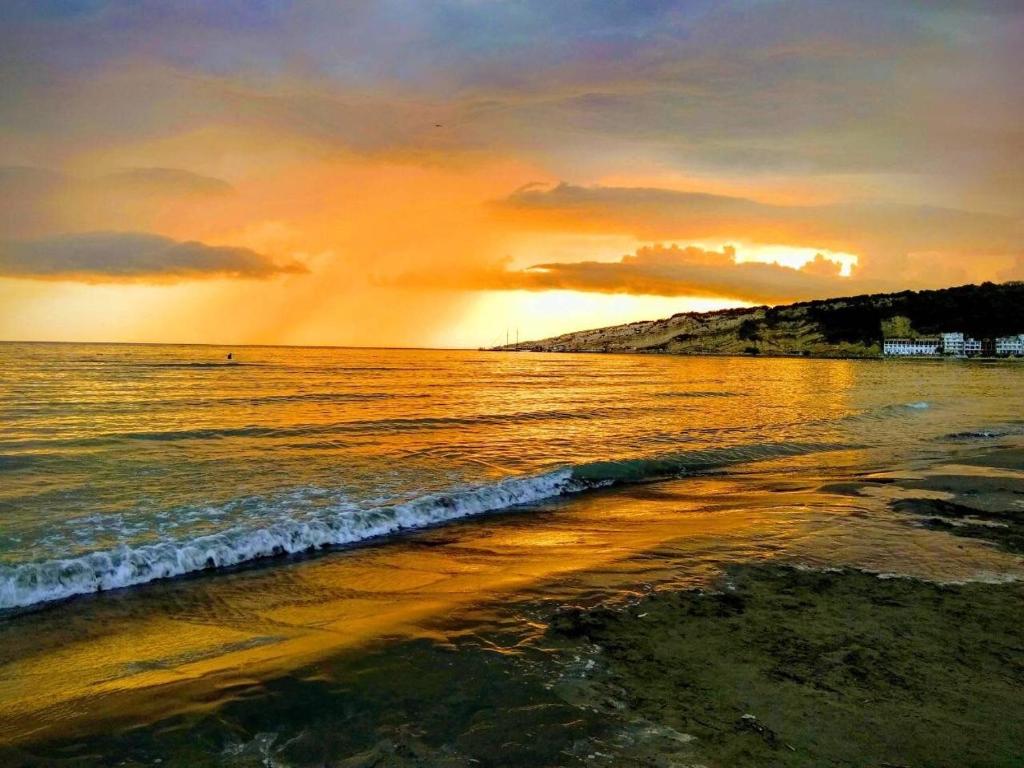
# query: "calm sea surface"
124, 465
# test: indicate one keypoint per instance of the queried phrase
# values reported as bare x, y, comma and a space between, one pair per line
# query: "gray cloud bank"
660, 270
121, 256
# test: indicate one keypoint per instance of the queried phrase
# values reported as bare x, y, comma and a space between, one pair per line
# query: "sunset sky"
431, 173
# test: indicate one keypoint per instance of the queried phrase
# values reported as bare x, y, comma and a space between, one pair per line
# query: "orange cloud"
661, 271
891, 240
42, 202
652, 213
363, 141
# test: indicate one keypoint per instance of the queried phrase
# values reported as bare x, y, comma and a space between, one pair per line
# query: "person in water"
231, 355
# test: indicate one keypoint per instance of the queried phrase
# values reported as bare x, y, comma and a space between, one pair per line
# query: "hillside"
842, 327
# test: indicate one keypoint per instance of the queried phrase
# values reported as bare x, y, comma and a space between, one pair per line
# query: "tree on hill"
898, 327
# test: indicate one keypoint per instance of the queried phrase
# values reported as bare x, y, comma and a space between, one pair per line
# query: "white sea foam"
31, 583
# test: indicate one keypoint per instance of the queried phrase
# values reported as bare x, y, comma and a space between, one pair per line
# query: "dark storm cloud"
119, 256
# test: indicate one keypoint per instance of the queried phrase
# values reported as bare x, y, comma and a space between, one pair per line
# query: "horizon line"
499, 347
237, 344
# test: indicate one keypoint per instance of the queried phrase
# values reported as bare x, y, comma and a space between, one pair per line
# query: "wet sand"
786, 666
756, 626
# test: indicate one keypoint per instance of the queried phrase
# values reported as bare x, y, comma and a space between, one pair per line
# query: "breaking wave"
33, 583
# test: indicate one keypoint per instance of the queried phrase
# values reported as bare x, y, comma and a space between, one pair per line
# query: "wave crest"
32, 583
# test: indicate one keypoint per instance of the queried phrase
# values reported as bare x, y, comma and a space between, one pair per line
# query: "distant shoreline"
772, 355
851, 327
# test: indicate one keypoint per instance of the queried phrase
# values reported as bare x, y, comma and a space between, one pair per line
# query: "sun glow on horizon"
795, 257
541, 314
300, 178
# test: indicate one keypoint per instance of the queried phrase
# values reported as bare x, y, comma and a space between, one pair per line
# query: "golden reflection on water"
139, 656
249, 622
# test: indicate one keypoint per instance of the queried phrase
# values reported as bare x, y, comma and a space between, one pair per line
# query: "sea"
192, 538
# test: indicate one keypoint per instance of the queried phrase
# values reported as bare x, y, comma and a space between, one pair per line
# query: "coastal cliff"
843, 327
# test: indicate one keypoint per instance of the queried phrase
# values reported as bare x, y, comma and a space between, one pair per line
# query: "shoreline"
768, 663
788, 666
767, 355
844, 327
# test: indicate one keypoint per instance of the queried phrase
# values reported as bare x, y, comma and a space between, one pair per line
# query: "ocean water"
180, 533
123, 464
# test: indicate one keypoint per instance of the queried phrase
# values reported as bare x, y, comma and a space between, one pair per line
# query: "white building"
1010, 345
953, 344
959, 345
912, 347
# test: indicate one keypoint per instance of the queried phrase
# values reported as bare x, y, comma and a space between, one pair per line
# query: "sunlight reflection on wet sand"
137, 656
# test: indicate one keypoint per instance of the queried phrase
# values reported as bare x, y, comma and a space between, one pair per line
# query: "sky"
407, 173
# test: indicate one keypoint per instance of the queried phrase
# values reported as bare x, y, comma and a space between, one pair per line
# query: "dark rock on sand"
787, 667
987, 507
1005, 529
